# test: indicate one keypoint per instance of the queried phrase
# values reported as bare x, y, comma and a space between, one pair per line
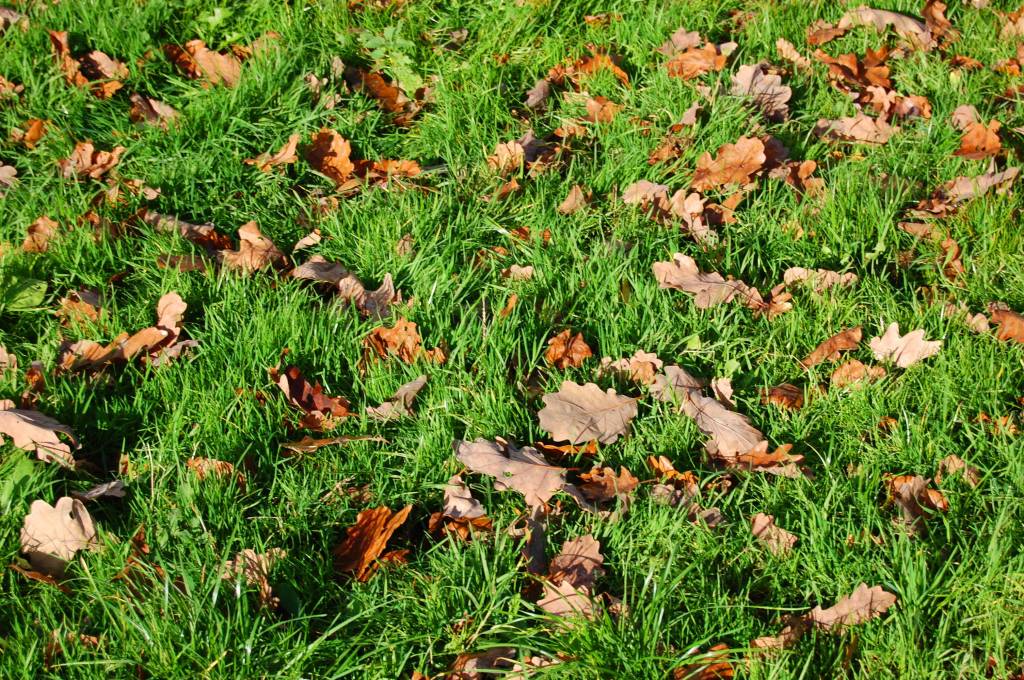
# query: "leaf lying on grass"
32, 431
461, 515
365, 541
903, 350
400, 405
52, 534
580, 413
517, 469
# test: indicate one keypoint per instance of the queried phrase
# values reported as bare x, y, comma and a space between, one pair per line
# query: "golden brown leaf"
365, 541
567, 351
283, 156
829, 350
401, 340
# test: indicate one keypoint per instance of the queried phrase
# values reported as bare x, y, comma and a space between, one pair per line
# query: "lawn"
227, 554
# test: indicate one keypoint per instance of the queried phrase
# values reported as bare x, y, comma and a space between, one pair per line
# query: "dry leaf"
320, 411
708, 288
854, 372
601, 109
579, 413
785, 396
915, 500
518, 469
1011, 324
695, 62
571, 577
255, 568
516, 272
567, 351
79, 308
461, 515
365, 541
329, 154
764, 88
255, 251
38, 235
151, 111
31, 131
829, 350
818, 279
859, 128
88, 161
284, 156
904, 350
8, 177
196, 61
375, 303
387, 93
211, 468
980, 141
32, 431
789, 53
733, 164
862, 605
640, 368
576, 199
51, 535
912, 29
113, 489
680, 41
711, 665
310, 444
779, 541
955, 465
602, 484
400, 405
403, 341
94, 70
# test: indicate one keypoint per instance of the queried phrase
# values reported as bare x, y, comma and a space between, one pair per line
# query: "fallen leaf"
151, 111
255, 568
680, 41
779, 541
859, 128
821, 32
203, 235
255, 251
572, 573
30, 132
955, 465
732, 164
829, 350
602, 484
388, 94
51, 535
38, 235
696, 61
579, 413
461, 515
640, 368
907, 27
567, 351
32, 431
710, 665
86, 161
915, 500
788, 52
310, 444
329, 154
851, 74
400, 405
196, 61
708, 288
601, 109
517, 469
862, 605
468, 665
80, 308
576, 199
94, 70
779, 462
403, 341
785, 396
980, 141
375, 303
764, 88
320, 411
954, 193
211, 468
516, 272
1011, 324
365, 541
818, 279
854, 372
113, 489
8, 177
284, 156
904, 350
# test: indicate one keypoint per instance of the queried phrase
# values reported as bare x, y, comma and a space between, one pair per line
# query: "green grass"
960, 588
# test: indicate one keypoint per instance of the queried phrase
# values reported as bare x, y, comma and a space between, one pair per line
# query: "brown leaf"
284, 156
255, 251
711, 665
980, 141
567, 351
962, 189
151, 111
955, 465
708, 288
516, 272
365, 541
402, 341
579, 413
400, 405
915, 500
862, 605
695, 62
255, 568
785, 396
79, 308
8, 177
461, 515
1011, 325
912, 29
680, 41
602, 484
518, 469
850, 74
576, 199
309, 444
51, 535
391, 98
821, 32
329, 155
32, 431
31, 131
779, 462
859, 128
818, 279
853, 373
375, 303
903, 350
196, 61
94, 70
113, 489
779, 541
38, 235
203, 235
88, 161
764, 88
320, 411
640, 368
733, 164
571, 577
211, 468
788, 52
829, 350
601, 109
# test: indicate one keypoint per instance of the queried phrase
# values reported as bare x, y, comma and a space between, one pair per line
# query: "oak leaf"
602, 484
8, 177
283, 156
764, 88
696, 61
907, 27
1011, 324
211, 468
461, 515
399, 405
829, 350
640, 368
818, 279
320, 411
980, 140
903, 350
255, 251
708, 288
86, 161
915, 499
576, 199
255, 568
579, 413
365, 541
567, 351
151, 111
329, 154
196, 61
39, 234
388, 94
955, 465
568, 590
401, 340
860, 606
680, 41
779, 541
859, 128
30, 132
732, 164
785, 396
854, 372
32, 431
788, 52
517, 469
375, 303
51, 535
94, 70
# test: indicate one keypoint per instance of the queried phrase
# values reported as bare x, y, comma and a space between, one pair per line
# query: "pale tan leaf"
779, 541
51, 535
818, 279
903, 350
33, 431
640, 368
764, 88
859, 128
862, 605
580, 413
708, 288
523, 470
400, 405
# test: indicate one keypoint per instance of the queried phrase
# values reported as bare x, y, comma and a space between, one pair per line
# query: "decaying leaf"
320, 411
112, 489
903, 350
151, 111
860, 606
461, 515
916, 500
388, 93
1011, 324
785, 396
375, 303
713, 664
366, 540
818, 279
580, 413
38, 235
953, 465
764, 88
32, 431
696, 61
779, 541
733, 164
567, 351
212, 468
788, 52
196, 61
30, 132
399, 405
568, 590
329, 155
517, 469
980, 140
86, 161
708, 288
8, 177
829, 350
283, 156
52, 534
255, 251
854, 372
255, 568
94, 69
640, 368
576, 199
859, 128
403, 341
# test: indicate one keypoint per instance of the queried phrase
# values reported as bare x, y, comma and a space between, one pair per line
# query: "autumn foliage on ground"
535, 339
